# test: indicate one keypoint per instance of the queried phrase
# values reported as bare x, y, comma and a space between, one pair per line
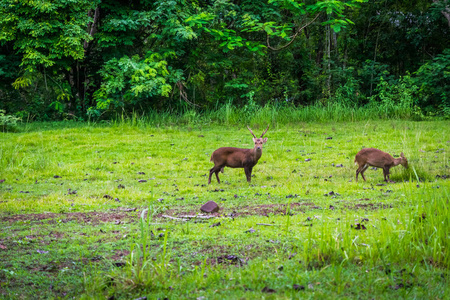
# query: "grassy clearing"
82, 211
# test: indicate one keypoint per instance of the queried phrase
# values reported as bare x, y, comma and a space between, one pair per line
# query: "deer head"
259, 141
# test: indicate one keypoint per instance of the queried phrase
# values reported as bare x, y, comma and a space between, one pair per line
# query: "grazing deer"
237, 157
377, 158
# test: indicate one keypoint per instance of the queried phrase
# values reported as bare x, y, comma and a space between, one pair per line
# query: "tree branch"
292, 37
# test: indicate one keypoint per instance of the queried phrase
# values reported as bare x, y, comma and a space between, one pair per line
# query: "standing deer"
237, 157
377, 158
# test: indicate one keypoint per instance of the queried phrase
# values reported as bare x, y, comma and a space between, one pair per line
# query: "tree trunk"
445, 12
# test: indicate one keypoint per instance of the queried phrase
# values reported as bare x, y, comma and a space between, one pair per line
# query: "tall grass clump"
412, 173
417, 235
390, 102
394, 100
141, 270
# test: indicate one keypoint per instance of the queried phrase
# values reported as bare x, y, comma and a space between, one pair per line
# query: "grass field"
113, 211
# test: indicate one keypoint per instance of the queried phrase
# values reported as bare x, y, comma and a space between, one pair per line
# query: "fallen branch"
197, 217
262, 224
173, 218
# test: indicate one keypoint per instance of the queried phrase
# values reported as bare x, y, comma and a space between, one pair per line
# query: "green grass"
95, 231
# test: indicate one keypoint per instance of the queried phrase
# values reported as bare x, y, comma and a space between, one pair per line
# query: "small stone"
268, 290
298, 287
210, 207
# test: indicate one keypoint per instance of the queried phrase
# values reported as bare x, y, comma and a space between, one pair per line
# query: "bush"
433, 78
8, 122
395, 99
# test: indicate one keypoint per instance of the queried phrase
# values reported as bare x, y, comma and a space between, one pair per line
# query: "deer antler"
251, 131
265, 131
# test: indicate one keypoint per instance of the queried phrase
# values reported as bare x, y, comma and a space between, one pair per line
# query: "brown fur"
377, 158
237, 158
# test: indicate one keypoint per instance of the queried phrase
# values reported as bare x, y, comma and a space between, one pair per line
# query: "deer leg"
216, 170
386, 175
248, 173
364, 168
357, 173
211, 171
217, 175
221, 170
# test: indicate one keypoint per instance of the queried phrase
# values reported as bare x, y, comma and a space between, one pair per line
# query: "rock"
210, 207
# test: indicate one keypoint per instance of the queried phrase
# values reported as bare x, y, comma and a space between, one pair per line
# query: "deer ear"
254, 140
264, 140
402, 155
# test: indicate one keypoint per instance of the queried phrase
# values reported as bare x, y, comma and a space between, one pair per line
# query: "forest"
93, 59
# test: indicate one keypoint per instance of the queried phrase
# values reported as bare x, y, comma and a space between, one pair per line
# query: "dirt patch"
274, 209
119, 255
79, 217
255, 210
122, 215
368, 206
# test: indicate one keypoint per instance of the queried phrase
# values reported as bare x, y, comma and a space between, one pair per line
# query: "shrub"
8, 122
394, 99
433, 78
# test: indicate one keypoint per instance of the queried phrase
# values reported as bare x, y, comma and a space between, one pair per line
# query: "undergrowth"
281, 114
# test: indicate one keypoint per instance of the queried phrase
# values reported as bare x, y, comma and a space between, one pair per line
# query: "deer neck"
397, 161
256, 153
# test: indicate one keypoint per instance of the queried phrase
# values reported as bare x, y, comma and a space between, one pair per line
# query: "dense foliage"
78, 58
